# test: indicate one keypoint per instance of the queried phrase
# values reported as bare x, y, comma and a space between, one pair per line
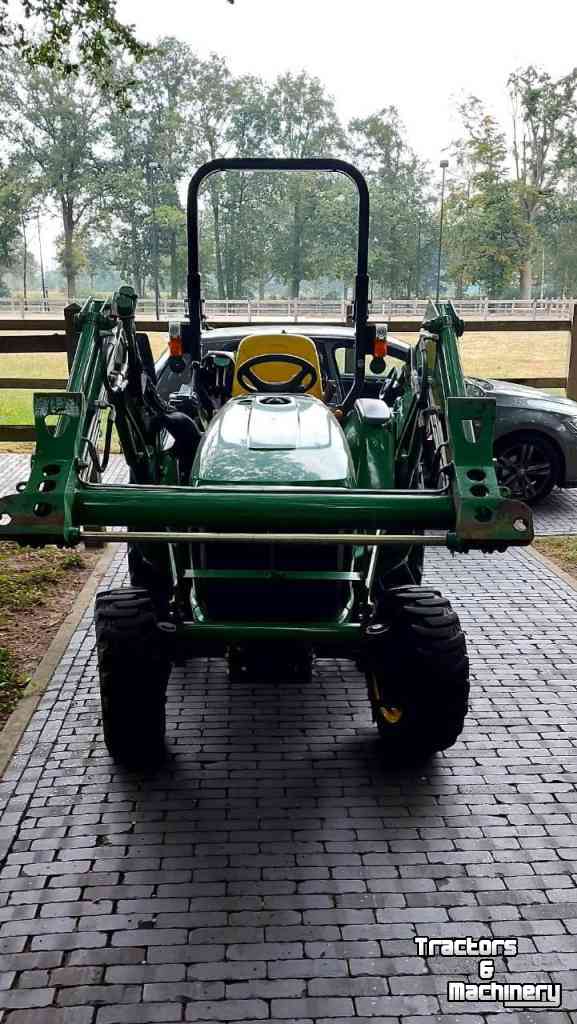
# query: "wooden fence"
305, 309
63, 339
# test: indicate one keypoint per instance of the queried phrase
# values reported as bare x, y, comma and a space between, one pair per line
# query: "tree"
211, 100
97, 264
11, 213
544, 146
486, 233
71, 258
53, 130
401, 215
74, 35
557, 228
249, 203
150, 156
303, 124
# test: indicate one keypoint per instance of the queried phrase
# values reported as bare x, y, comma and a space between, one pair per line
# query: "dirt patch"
38, 587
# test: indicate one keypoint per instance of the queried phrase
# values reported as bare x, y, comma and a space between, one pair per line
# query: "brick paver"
15, 467
274, 869
557, 513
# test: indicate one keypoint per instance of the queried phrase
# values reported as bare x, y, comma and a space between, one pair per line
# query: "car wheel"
528, 464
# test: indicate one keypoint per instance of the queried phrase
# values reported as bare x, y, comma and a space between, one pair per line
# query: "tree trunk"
134, 260
525, 279
296, 272
68, 254
217, 245
24, 265
173, 267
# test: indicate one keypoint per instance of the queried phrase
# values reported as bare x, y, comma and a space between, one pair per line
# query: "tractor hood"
274, 439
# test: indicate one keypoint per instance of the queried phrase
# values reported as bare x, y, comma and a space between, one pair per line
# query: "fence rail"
64, 340
250, 310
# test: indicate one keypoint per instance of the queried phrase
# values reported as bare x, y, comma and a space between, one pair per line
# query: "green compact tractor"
271, 515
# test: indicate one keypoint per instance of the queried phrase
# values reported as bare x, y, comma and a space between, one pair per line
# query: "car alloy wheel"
528, 467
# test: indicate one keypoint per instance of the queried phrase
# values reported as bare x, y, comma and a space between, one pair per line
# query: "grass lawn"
561, 550
37, 589
16, 406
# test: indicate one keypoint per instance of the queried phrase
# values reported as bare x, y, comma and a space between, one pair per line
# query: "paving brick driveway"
274, 870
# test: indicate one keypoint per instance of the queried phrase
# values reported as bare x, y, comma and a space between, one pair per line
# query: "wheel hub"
391, 714
525, 470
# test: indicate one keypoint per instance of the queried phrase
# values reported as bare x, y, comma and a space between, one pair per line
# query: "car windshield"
336, 357
344, 362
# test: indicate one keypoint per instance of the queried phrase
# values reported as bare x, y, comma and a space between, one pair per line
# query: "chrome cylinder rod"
192, 537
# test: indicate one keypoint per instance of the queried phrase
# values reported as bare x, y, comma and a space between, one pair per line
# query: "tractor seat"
277, 371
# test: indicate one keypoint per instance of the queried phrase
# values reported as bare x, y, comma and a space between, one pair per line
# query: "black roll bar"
364, 333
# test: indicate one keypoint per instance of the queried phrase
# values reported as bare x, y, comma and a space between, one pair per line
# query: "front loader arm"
107, 377
485, 516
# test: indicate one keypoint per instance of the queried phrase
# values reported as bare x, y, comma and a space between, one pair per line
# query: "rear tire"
417, 673
134, 671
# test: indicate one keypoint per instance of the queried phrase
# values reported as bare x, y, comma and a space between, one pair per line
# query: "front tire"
134, 671
417, 673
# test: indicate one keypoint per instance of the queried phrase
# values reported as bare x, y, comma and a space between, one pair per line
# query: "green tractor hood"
274, 439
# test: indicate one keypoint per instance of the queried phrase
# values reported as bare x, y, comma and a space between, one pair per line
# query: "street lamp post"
155, 247
443, 165
24, 264
43, 279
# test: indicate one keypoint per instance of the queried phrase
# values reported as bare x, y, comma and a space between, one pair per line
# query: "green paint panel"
270, 439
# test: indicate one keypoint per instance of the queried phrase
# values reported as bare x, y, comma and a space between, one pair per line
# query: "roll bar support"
364, 332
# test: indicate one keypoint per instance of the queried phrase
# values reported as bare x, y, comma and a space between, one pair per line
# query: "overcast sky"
421, 55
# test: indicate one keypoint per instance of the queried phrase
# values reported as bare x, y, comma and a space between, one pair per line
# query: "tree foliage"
11, 213
115, 174
487, 235
509, 192
544, 145
402, 224
52, 130
67, 36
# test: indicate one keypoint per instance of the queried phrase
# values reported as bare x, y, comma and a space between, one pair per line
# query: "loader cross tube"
363, 332
194, 537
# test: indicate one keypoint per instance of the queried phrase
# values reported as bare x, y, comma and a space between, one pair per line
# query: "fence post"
71, 332
572, 370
